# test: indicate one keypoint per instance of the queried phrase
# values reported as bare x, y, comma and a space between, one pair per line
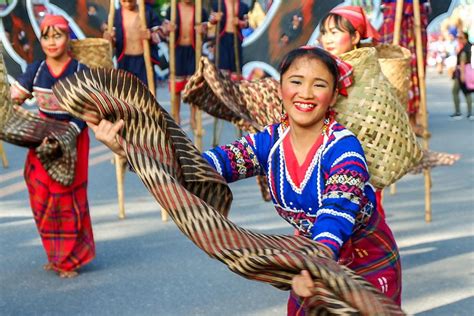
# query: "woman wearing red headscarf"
61, 212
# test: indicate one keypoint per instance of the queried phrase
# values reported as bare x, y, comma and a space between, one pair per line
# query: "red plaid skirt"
371, 253
62, 212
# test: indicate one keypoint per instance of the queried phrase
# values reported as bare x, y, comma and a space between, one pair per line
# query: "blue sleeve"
27, 78
242, 159
346, 174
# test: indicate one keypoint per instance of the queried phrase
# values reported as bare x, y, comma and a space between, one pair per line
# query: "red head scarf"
55, 20
356, 16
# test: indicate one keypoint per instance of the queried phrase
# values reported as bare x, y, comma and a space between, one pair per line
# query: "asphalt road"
148, 267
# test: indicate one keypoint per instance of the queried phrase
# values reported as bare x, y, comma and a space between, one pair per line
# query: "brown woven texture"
198, 198
21, 127
394, 61
372, 111
93, 52
251, 105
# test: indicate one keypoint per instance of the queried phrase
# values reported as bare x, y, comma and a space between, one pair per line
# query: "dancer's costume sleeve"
346, 176
22, 88
243, 158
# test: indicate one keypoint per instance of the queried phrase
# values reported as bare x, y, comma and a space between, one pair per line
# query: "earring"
284, 121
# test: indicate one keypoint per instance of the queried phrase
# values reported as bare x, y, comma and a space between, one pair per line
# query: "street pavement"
148, 267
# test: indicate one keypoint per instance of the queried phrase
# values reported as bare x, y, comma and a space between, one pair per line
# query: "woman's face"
307, 90
54, 43
128, 4
336, 41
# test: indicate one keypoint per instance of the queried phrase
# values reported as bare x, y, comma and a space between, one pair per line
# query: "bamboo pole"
396, 41
150, 76
215, 129
236, 39
423, 106
198, 47
4, 156
236, 52
398, 22
172, 57
119, 161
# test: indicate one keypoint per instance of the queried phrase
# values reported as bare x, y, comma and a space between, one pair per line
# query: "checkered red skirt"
62, 212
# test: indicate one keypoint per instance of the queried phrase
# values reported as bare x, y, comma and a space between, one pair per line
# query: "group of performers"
316, 169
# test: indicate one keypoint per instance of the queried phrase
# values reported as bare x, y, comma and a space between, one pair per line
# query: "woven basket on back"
372, 111
395, 63
93, 52
374, 114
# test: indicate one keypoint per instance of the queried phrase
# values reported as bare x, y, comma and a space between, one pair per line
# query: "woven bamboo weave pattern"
93, 52
372, 107
27, 129
198, 199
394, 61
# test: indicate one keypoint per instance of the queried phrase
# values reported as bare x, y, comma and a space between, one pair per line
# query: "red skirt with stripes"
62, 212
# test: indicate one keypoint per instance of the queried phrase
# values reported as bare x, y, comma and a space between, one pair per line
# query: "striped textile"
198, 199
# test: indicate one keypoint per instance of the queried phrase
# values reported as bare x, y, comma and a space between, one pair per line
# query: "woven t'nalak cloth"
198, 198
27, 129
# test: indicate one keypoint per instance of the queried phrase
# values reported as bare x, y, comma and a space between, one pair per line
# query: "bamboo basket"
375, 115
5, 102
93, 52
394, 61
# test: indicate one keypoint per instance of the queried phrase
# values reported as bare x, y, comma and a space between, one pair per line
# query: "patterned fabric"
61, 212
56, 178
198, 198
37, 81
407, 40
333, 204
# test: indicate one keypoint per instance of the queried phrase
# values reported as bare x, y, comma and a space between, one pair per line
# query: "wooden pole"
236, 40
396, 41
198, 48
119, 161
172, 56
3, 155
150, 75
423, 107
398, 22
111, 18
236, 52
215, 129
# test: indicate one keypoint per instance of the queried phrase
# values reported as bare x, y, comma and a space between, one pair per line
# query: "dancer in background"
61, 212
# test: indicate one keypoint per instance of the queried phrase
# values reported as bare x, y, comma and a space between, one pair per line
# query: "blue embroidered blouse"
333, 198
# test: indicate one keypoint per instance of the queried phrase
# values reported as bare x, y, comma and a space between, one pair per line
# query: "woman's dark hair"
341, 23
45, 31
311, 53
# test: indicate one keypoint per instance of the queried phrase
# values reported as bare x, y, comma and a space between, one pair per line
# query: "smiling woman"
60, 208
317, 173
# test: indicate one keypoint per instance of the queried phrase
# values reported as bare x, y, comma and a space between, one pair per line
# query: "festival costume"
61, 212
327, 199
198, 199
185, 54
134, 63
226, 49
407, 40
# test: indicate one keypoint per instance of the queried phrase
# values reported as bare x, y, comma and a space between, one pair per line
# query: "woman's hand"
110, 36
302, 284
107, 133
